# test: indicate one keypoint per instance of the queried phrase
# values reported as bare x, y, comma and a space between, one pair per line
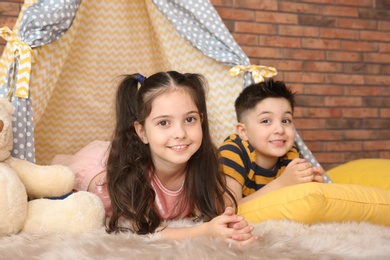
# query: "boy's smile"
269, 128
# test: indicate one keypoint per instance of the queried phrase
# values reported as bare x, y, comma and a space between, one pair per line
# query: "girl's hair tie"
140, 78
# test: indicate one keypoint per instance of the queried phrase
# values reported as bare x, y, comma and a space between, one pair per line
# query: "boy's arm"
236, 188
298, 171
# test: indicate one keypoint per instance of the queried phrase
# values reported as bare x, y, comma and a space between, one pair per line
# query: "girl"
163, 164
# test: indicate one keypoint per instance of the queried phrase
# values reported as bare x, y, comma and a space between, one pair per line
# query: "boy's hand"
300, 171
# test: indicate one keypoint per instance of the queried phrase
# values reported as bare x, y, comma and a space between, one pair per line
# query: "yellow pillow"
320, 202
371, 172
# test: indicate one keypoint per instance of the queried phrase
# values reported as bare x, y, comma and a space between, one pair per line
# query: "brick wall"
334, 53
9, 11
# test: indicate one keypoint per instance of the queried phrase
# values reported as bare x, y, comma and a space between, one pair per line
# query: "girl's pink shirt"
169, 204
91, 160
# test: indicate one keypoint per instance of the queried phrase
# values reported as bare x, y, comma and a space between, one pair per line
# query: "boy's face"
269, 128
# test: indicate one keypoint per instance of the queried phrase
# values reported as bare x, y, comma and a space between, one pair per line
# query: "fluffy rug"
277, 240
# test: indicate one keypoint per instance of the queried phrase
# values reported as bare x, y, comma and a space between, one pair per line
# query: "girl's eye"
190, 119
163, 123
287, 121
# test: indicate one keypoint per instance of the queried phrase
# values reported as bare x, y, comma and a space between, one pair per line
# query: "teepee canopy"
79, 56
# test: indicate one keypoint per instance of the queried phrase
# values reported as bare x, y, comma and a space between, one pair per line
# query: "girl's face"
269, 128
173, 130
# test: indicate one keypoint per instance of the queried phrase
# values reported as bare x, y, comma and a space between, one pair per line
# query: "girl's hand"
233, 229
300, 171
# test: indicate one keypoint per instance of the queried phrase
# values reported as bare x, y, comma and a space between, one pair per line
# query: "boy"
261, 157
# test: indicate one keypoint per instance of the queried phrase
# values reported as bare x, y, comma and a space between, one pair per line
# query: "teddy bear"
27, 191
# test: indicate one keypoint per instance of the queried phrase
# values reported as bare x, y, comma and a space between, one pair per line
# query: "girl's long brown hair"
130, 162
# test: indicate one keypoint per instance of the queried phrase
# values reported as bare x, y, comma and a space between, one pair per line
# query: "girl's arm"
228, 226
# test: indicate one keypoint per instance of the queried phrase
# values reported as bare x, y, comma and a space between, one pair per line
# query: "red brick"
291, 7
326, 90
283, 65
344, 146
257, 5
373, 14
384, 25
360, 112
8, 21
374, 36
277, 41
384, 155
321, 66
222, 2
361, 68
376, 57
357, 24
274, 17
377, 80
321, 135
321, 44
262, 52
304, 123
351, 156
314, 112
343, 56
362, 3
246, 39
303, 54
362, 91
384, 47
345, 79
9, 9
339, 33
246, 27
361, 134
384, 112
330, 160
234, 14
302, 77
310, 101
306, 31
343, 101
359, 46
339, 11
315, 20
377, 145
345, 123
318, 1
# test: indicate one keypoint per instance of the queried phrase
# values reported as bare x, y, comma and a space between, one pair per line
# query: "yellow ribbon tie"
258, 72
26, 54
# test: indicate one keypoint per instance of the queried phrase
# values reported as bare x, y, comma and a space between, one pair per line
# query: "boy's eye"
265, 121
287, 121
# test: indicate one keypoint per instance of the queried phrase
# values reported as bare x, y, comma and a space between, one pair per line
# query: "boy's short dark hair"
255, 93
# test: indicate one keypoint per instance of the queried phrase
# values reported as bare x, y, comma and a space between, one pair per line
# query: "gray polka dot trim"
199, 23
47, 20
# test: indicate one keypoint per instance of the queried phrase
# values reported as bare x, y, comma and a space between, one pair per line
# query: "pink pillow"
86, 163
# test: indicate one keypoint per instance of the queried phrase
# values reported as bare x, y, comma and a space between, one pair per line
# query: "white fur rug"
277, 240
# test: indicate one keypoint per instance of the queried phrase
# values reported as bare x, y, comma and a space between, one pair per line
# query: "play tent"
61, 65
